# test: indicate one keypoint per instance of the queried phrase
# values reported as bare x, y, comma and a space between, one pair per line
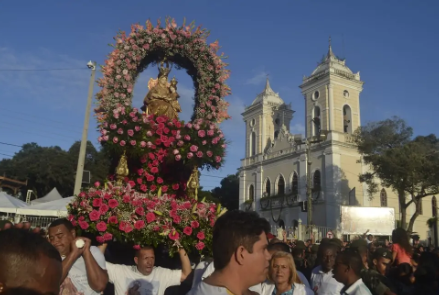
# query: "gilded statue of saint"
161, 100
193, 184
122, 170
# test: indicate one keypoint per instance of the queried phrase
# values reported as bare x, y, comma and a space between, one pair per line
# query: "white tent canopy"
56, 208
9, 204
52, 196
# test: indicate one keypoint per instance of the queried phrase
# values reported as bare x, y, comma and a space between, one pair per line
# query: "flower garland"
134, 218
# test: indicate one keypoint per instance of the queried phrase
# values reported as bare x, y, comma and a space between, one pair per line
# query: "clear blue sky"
394, 45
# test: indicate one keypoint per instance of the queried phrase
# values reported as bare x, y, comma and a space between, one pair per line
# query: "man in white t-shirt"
84, 269
144, 278
240, 255
322, 280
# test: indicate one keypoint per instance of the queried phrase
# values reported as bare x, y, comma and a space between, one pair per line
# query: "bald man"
30, 265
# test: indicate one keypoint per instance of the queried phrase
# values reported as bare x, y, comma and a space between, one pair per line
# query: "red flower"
84, 225
153, 187
139, 224
177, 219
199, 246
126, 199
159, 180
112, 219
174, 235
103, 209
150, 217
94, 215
108, 237
143, 188
97, 202
150, 178
175, 186
200, 235
195, 224
139, 180
136, 247
101, 226
164, 188
201, 133
131, 183
100, 239
112, 203
154, 170
187, 230
140, 211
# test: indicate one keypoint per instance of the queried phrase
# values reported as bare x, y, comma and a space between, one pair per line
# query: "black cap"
382, 252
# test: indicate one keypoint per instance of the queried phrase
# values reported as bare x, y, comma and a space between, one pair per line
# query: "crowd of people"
247, 260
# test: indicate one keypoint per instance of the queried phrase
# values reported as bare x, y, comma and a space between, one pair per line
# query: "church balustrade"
279, 202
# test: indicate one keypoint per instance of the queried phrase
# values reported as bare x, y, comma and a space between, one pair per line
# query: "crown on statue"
164, 71
174, 82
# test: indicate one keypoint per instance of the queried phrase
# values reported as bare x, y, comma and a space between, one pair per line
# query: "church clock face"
316, 95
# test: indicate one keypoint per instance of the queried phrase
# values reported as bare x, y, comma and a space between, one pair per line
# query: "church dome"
268, 95
331, 61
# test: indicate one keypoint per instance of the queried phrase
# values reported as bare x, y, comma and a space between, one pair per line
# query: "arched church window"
434, 206
252, 144
281, 186
316, 121
347, 119
383, 198
252, 122
276, 134
267, 188
317, 181
251, 193
295, 185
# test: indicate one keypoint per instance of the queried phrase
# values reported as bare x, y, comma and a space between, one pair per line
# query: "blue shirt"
289, 292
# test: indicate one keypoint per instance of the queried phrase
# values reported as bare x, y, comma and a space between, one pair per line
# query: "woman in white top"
283, 277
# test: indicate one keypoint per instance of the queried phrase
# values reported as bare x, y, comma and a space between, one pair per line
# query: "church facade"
273, 174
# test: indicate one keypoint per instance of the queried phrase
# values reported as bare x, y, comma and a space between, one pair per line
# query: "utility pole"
81, 159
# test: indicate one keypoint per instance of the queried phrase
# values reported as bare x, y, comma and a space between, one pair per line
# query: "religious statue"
193, 184
161, 100
122, 170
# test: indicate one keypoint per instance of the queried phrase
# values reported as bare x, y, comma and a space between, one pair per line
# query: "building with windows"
274, 171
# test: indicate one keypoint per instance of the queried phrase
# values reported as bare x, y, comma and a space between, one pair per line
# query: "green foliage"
228, 193
49, 167
409, 166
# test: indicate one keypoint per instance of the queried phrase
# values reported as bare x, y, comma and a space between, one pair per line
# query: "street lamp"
308, 142
81, 159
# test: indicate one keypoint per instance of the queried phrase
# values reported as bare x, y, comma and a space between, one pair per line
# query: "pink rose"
187, 230
187, 137
139, 224
217, 159
176, 152
83, 224
190, 155
130, 132
193, 148
201, 133
143, 144
113, 126
120, 131
150, 217
148, 133
200, 235
94, 215
112, 203
199, 154
199, 246
195, 224
189, 125
136, 247
174, 235
108, 237
210, 132
177, 157
180, 143
97, 184
196, 127
133, 142
204, 142
112, 219
101, 226
209, 154
115, 139
122, 143
137, 128
100, 239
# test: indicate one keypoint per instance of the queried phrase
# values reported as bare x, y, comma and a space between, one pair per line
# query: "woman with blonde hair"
283, 277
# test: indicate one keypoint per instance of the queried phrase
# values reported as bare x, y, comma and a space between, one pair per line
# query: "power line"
6, 155
11, 144
42, 70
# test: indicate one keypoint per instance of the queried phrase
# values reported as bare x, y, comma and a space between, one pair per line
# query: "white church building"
274, 171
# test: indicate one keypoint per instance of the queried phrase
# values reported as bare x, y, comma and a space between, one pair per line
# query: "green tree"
409, 166
49, 167
228, 192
